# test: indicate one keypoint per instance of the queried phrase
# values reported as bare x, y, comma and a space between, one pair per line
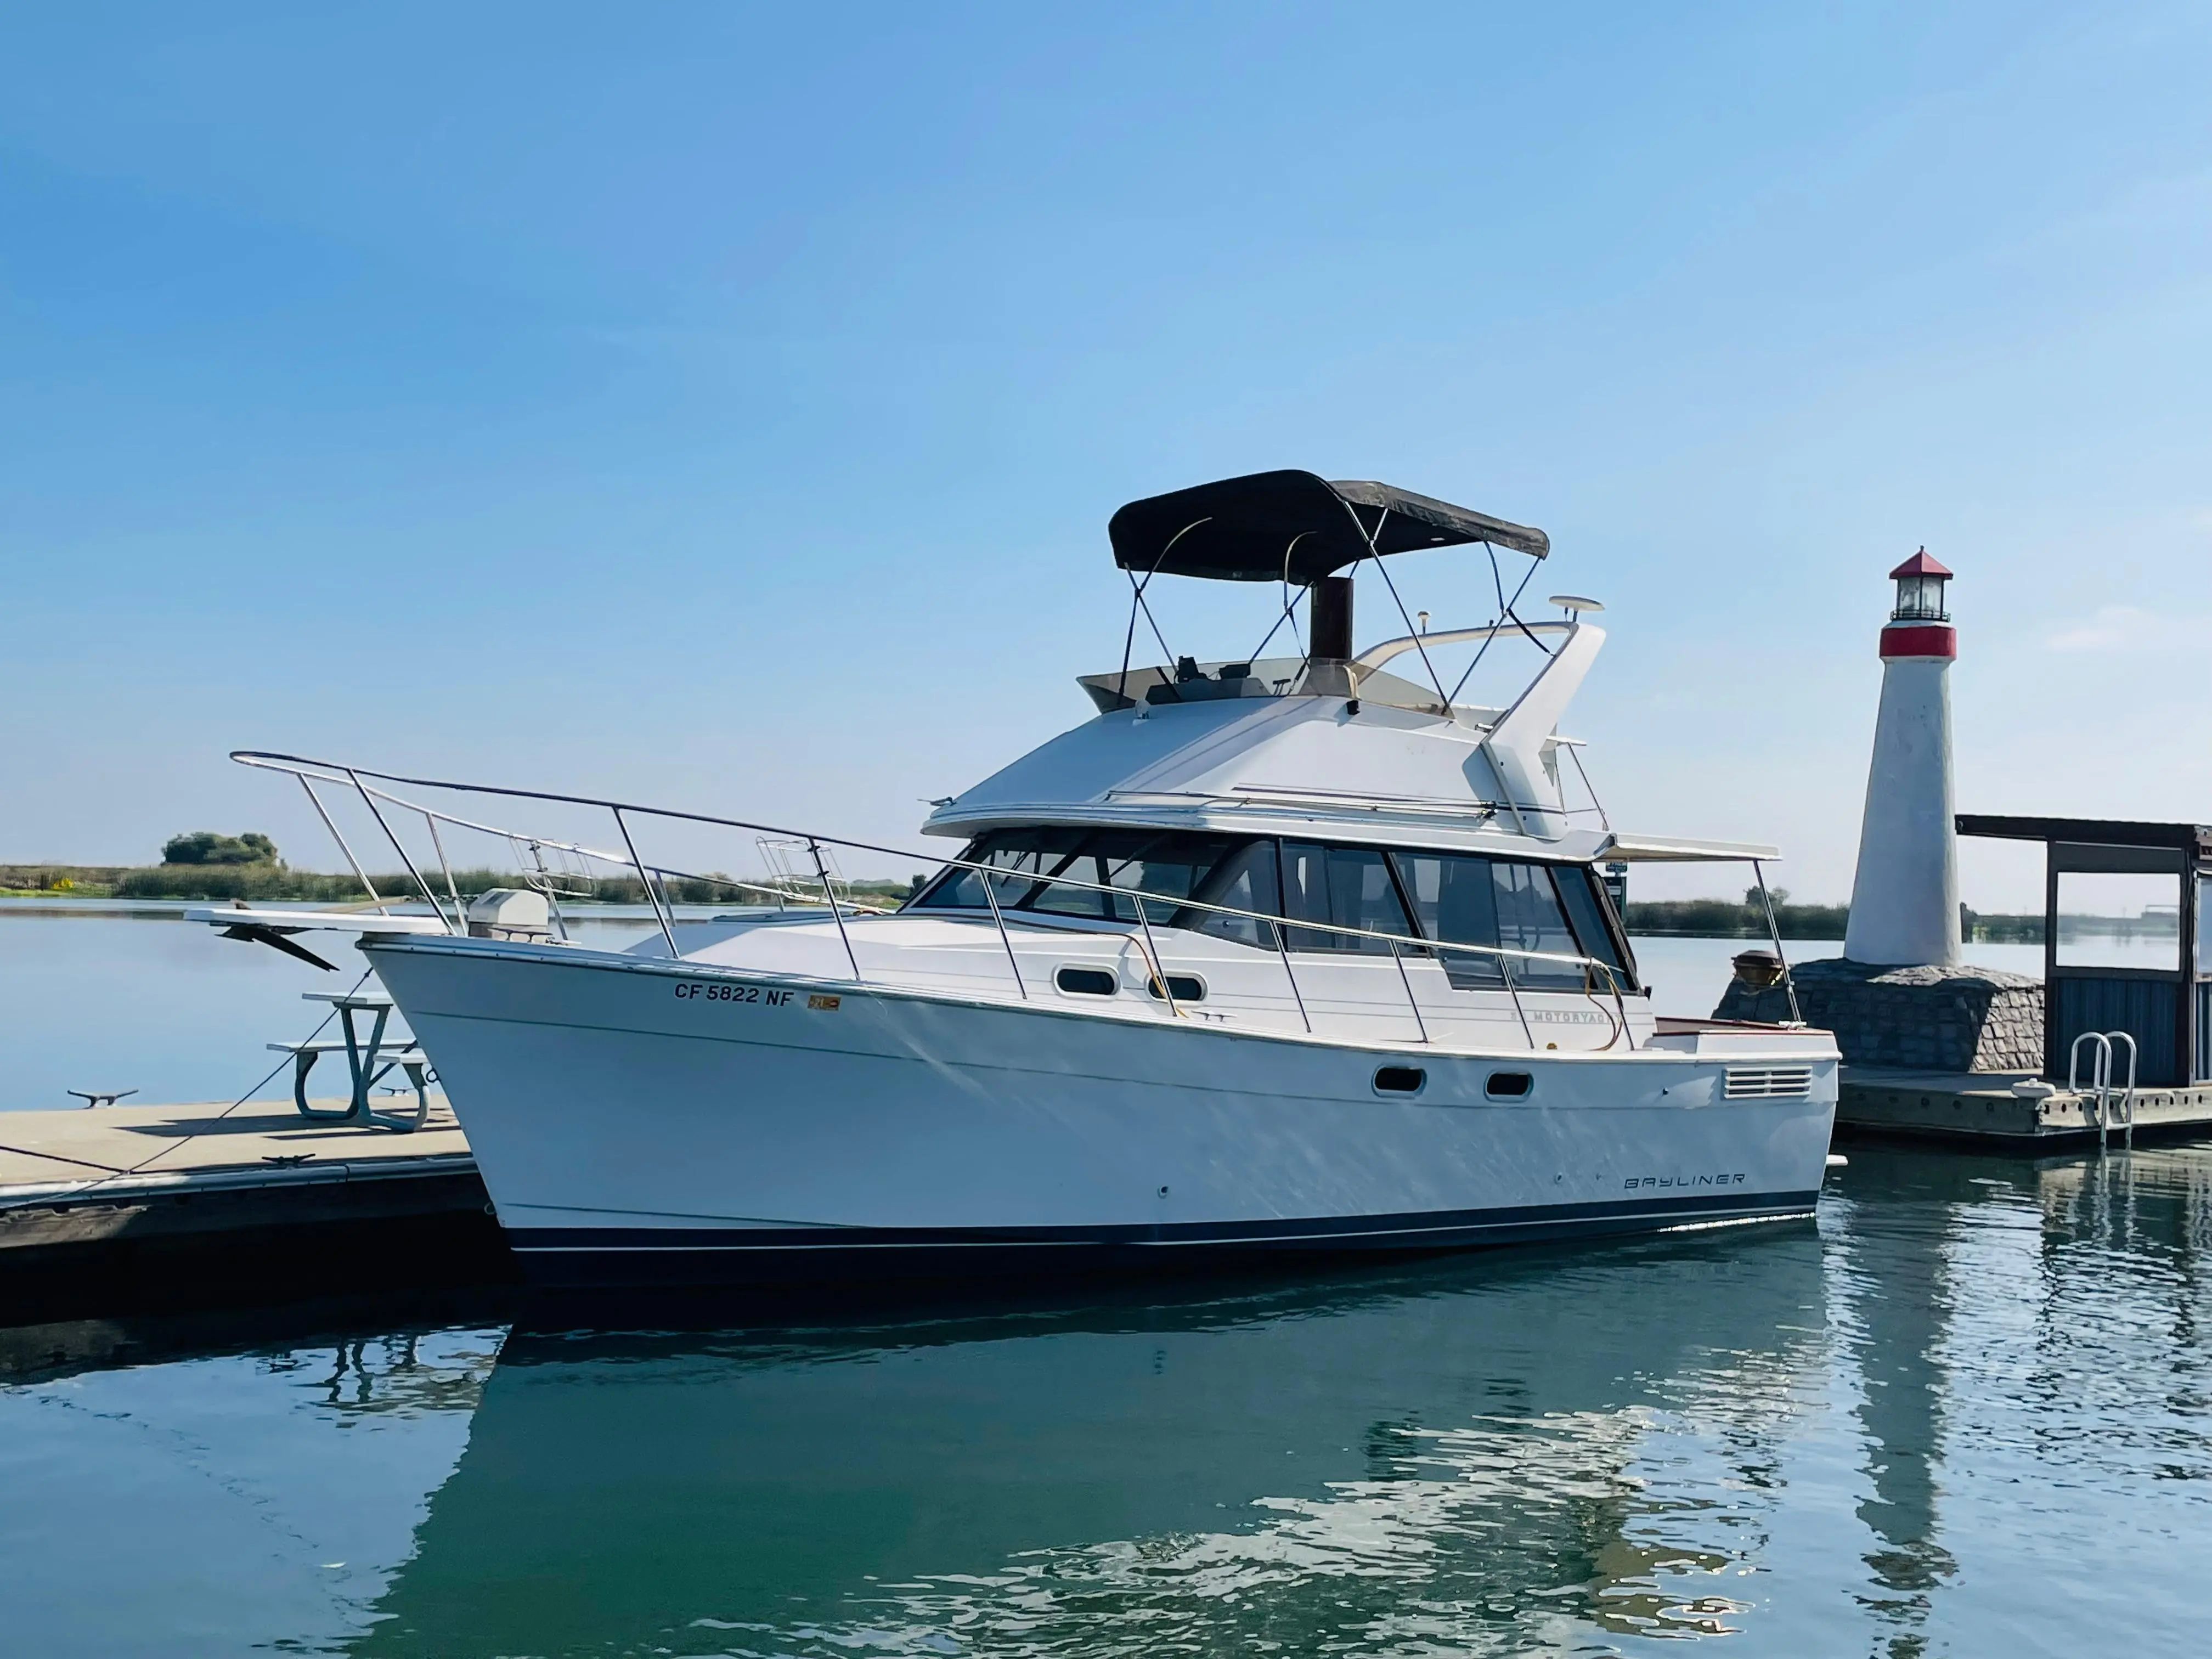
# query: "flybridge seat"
1270, 677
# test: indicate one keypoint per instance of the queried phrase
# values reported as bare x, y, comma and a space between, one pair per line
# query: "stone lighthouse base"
1929, 1019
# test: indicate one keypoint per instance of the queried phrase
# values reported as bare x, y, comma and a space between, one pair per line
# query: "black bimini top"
1294, 527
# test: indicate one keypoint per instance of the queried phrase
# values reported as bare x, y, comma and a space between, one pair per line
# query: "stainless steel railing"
310, 771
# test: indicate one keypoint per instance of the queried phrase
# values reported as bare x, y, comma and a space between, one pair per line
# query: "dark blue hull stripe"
604, 1255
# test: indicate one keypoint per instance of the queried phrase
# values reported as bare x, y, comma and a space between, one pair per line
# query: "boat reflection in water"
1512, 1445
1969, 1414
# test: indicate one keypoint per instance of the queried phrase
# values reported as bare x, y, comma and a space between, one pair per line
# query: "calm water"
1970, 1413
170, 1008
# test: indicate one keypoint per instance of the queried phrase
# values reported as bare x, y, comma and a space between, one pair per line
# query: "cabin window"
1086, 981
1161, 866
1187, 988
1455, 900
1023, 854
1530, 918
1509, 1086
1348, 886
1399, 1080
1587, 908
1245, 880
1495, 902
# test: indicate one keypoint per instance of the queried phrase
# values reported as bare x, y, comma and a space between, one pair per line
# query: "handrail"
337, 772
2100, 1082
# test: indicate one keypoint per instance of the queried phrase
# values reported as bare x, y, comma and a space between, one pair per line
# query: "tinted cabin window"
1350, 886
1586, 908
1021, 854
1245, 880
1163, 866
1530, 918
1455, 899
1475, 901
1086, 981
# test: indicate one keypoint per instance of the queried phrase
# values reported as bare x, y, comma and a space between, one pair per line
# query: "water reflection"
1895, 1263
1502, 1449
1968, 1414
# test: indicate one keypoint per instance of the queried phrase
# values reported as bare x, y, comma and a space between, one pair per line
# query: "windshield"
1151, 867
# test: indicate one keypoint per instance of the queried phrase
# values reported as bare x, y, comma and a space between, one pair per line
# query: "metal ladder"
2100, 1084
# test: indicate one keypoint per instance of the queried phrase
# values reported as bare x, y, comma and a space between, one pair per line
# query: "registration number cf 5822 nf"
692, 990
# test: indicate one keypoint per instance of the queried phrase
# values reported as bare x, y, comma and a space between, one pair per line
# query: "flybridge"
1306, 533
1300, 530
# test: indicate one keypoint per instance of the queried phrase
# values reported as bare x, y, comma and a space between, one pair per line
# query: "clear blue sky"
724, 405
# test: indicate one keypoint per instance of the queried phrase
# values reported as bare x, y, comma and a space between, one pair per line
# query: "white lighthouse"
1905, 899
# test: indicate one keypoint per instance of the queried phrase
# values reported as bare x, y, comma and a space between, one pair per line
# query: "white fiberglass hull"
644, 1120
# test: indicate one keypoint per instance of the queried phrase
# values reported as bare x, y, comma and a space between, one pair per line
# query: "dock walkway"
1981, 1106
100, 1183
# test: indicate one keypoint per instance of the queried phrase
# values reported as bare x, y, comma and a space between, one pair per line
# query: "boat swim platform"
129, 1190
1980, 1108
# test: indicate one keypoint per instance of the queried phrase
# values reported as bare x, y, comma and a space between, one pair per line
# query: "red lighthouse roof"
1919, 565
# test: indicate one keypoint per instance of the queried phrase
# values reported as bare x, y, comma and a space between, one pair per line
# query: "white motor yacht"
1294, 954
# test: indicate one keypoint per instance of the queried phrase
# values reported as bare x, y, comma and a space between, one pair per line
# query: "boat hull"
642, 1121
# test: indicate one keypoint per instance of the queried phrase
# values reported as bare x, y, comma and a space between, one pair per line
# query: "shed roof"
2191, 838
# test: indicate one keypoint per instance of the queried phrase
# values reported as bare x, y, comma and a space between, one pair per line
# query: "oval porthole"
1086, 981
1508, 1085
1187, 988
1399, 1080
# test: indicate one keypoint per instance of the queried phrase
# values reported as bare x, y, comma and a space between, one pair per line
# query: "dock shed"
2166, 1009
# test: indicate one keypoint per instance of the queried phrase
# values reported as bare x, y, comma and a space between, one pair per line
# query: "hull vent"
1769, 1083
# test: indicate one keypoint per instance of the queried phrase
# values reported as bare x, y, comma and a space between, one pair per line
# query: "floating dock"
133, 1189
1982, 1107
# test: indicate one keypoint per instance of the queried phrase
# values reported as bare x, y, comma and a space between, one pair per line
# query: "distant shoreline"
24, 884
218, 883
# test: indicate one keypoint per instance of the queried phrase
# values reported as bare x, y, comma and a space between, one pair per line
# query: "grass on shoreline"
220, 883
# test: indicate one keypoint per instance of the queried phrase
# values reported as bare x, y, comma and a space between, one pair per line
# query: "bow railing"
1597, 975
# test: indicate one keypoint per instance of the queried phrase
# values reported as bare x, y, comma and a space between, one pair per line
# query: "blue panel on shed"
2143, 1008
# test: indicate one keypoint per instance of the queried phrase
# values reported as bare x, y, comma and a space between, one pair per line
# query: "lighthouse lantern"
1920, 583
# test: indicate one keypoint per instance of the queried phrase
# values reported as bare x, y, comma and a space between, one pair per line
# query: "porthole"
1399, 1080
1086, 981
1187, 988
1508, 1085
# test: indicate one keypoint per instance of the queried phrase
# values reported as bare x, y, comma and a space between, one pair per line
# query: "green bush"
201, 847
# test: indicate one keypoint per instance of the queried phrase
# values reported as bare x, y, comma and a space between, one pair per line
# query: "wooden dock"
1982, 1106
131, 1189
